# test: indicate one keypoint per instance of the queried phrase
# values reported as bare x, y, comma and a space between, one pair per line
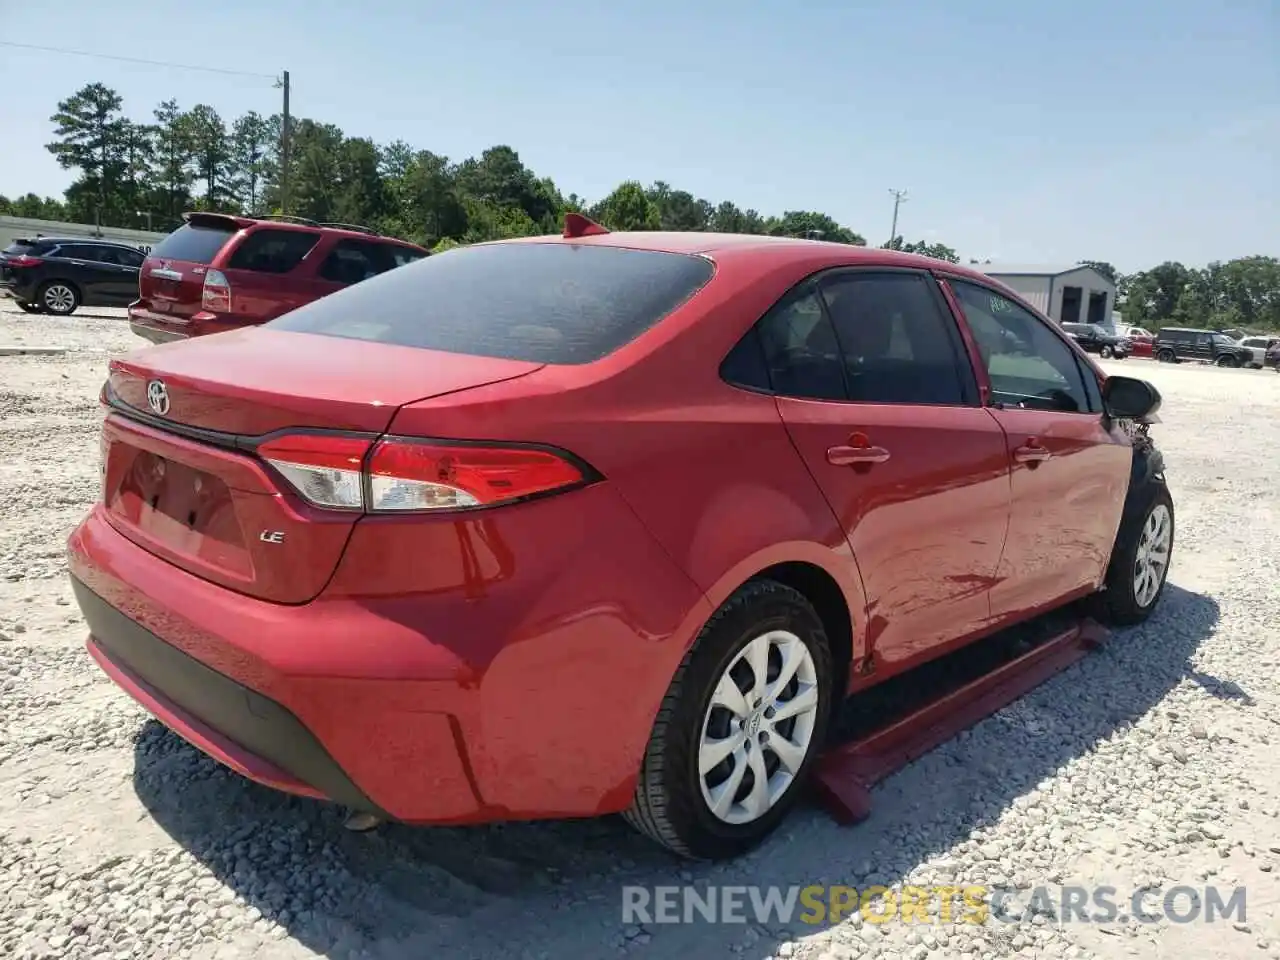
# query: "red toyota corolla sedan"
576, 525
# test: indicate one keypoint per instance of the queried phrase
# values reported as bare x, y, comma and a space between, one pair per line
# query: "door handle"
858, 450
1031, 452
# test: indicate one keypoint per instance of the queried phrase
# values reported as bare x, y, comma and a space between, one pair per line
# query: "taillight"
405, 475
324, 469
24, 261
217, 292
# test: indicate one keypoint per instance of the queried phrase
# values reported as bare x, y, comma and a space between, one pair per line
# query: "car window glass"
351, 261
72, 251
1027, 363
539, 302
273, 251
895, 340
800, 349
193, 244
400, 256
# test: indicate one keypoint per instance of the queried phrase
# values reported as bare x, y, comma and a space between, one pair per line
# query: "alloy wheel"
1152, 561
59, 298
758, 727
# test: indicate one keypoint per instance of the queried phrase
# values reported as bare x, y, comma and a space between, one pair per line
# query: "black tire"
1167, 356
58, 297
1107, 352
1117, 603
668, 805
1226, 360
30, 307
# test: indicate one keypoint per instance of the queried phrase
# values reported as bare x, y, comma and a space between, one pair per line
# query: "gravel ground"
1154, 761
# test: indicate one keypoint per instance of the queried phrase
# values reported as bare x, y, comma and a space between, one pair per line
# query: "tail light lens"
402, 475
24, 261
217, 292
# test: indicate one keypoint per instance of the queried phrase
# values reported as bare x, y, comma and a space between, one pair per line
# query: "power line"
149, 63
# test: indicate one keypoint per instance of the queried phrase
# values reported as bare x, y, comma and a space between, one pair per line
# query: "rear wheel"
1167, 356
1107, 352
1226, 360
739, 728
1140, 560
59, 298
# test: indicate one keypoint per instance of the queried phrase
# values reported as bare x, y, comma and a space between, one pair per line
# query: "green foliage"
1239, 294
146, 174
938, 251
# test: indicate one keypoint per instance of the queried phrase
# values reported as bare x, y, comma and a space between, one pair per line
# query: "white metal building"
1069, 294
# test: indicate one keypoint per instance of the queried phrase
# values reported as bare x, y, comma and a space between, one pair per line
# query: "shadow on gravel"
553, 889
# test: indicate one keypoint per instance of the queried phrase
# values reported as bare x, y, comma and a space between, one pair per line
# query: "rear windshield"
25, 248
539, 302
193, 244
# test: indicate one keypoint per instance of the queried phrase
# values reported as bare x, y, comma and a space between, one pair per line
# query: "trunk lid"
181, 479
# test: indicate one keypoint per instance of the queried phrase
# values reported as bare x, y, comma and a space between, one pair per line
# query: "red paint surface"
510, 662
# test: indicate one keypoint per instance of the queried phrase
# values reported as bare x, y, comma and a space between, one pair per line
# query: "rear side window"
193, 244
351, 261
539, 302
273, 251
402, 256
800, 348
898, 344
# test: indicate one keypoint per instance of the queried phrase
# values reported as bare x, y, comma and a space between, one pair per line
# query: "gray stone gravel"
1154, 761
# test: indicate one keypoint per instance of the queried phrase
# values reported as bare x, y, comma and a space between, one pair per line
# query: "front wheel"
739, 727
1106, 353
1140, 559
1226, 360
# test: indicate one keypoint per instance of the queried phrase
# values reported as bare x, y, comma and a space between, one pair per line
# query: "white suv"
1259, 347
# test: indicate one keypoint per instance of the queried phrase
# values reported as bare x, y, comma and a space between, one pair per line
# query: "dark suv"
1175, 344
58, 274
220, 272
1097, 339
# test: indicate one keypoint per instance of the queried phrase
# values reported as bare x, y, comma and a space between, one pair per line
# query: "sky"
1118, 130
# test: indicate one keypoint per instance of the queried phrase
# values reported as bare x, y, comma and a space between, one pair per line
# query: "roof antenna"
576, 225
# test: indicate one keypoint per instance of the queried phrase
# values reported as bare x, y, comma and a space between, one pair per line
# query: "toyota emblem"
158, 397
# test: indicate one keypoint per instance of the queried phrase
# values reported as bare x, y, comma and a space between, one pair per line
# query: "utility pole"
899, 198
284, 146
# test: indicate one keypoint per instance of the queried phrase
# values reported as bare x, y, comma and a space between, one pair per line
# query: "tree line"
144, 173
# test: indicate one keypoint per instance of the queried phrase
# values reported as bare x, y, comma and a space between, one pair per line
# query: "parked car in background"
59, 274
1273, 357
220, 272
414, 547
1175, 344
1140, 339
1098, 339
1259, 346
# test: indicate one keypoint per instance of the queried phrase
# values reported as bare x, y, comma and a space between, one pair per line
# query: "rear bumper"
499, 689
164, 328
17, 290
252, 734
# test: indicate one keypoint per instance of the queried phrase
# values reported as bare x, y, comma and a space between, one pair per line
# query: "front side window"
898, 344
1027, 363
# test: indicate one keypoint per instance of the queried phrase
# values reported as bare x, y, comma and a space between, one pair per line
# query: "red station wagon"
221, 272
600, 523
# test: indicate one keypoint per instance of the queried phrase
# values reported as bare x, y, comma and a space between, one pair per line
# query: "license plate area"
189, 511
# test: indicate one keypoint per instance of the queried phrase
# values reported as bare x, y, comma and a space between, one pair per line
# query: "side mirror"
1127, 398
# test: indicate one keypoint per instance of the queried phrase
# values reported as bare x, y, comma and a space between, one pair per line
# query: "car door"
880, 402
120, 280
81, 263
1069, 470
